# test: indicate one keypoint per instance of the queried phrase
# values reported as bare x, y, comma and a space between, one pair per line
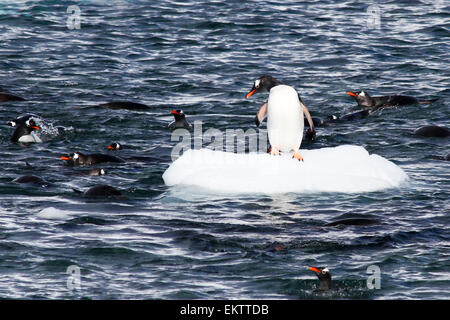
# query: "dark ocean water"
202, 57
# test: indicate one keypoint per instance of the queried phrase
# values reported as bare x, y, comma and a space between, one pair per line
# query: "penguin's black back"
127, 105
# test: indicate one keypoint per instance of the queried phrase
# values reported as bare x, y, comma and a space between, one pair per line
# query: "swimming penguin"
10, 97
324, 276
95, 172
366, 101
24, 130
318, 122
118, 146
31, 179
432, 131
350, 116
78, 158
115, 146
180, 120
285, 112
331, 119
126, 105
101, 190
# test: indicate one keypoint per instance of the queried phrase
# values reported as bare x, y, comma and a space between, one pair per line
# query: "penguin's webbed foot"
274, 152
297, 156
310, 134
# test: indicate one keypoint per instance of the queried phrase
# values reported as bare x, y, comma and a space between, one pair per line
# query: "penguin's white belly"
284, 118
32, 137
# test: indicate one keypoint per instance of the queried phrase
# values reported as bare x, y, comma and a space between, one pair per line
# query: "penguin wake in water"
115, 146
285, 113
364, 100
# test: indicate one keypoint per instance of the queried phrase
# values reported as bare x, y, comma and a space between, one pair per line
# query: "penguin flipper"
77, 191
307, 114
261, 114
311, 133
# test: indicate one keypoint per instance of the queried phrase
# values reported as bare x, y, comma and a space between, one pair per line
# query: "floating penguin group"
25, 129
285, 111
287, 116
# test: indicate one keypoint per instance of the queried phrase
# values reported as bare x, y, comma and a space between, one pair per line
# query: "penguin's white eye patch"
12, 123
362, 93
27, 122
257, 83
76, 156
325, 270
102, 172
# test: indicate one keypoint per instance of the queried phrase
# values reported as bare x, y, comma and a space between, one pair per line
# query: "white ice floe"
347, 169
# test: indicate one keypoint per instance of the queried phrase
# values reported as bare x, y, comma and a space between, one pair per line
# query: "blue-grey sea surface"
67, 57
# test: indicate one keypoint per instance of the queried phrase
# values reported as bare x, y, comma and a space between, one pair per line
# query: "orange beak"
65, 158
110, 148
250, 93
36, 127
174, 112
314, 269
352, 94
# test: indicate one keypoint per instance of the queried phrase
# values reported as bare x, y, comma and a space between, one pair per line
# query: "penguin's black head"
178, 114
332, 117
115, 146
362, 98
30, 123
324, 277
264, 83
98, 172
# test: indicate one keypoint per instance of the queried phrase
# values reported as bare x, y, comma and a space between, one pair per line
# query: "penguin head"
28, 125
73, 158
31, 124
98, 172
324, 276
332, 117
115, 146
264, 83
362, 97
178, 114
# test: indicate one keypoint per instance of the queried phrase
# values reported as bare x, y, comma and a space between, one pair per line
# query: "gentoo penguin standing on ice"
285, 111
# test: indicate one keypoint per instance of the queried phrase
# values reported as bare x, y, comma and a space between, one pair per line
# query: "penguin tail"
76, 191
428, 101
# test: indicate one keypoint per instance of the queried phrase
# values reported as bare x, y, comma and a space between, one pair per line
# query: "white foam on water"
346, 169
53, 213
